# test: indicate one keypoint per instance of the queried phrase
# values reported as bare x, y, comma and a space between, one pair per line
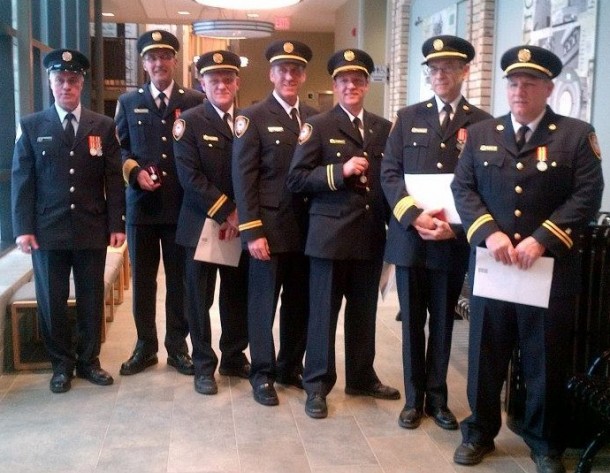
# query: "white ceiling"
308, 15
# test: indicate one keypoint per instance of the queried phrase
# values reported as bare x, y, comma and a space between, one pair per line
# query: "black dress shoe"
242, 371
472, 453
265, 394
138, 362
182, 362
294, 379
60, 383
410, 418
205, 384
548, 463
95, 375
315, 406
443, 417
379, 391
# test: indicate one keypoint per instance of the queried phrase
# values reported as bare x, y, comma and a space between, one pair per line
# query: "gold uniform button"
443, 145
518, 190
71, 171
517, 213
439, 165
338, 155
44, 153
163, 173
365, 153
72, 189
139, 122
72, 207
368, 189
277, 142
163, 122
71, 153
164, 138
367, 206
520, 166
164, 156
517, 236
485, 163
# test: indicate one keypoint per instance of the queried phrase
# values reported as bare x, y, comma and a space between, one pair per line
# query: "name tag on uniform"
140, 110
275, 129
488, 148
40, 139
334, 141
210, 138
419, 130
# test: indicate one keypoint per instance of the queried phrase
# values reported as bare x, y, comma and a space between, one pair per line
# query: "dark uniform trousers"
345, 241
145, 134
70, 195
550, 189
429, 274
202, 149
262, 152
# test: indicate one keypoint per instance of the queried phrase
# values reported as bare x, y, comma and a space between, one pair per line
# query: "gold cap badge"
438, 45
288, 47
349, 55
156, 36
524, 55
66, 56
217, 58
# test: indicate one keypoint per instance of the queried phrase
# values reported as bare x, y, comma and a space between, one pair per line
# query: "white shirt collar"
351, 117
531, 125
221, 114
155, 92
454, 103
62, 113
285, 105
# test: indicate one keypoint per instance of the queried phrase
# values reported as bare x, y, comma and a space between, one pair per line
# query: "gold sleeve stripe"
250, 225
128, 166
478, 223
219, 203
559, 233
330, 178
402, 206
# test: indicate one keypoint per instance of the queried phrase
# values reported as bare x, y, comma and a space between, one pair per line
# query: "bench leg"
586, 459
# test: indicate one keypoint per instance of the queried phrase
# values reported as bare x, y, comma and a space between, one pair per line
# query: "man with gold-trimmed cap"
526, 185
68, 206
337, 163
144, 120
272, 221
203, 140
430, 252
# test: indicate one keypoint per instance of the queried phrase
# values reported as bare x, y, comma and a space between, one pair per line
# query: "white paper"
495, 280
213, 250
433, 191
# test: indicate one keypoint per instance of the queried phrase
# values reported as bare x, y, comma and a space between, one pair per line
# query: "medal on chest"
541, 157
95, 145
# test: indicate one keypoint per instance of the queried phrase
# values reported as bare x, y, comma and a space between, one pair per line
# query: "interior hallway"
156, 422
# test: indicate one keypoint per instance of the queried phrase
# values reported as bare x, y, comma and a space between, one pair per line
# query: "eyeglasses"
344, 81
153, 57
434, 70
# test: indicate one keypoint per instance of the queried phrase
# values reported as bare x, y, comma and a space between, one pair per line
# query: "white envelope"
433, 191
495, 280
213, 250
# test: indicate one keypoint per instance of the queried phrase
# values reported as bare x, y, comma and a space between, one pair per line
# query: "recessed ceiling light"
107, 14
248, 4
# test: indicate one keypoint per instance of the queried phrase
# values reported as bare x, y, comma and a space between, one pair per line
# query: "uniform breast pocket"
212, 144
47, 154
490, 170
415, 148
142, 126
556, 171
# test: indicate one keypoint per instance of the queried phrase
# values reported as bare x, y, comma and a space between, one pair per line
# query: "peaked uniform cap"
66, 60
218, 60
350, 60
447, 47
286, 50
157, 39
532, 60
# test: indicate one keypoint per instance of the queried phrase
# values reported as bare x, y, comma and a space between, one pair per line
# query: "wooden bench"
590, 394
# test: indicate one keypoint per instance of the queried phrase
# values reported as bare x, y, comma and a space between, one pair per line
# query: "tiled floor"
156, 422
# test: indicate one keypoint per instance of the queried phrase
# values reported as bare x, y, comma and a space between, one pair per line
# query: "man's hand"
259, 249
27, 243
117, 239
145, 181
440, 230
501, 248
528, 251
356, 166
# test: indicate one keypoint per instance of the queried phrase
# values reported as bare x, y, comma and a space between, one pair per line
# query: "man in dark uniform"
144, 121
430, 254
338, 163
202, 147
272, 222
68, 206
526, 185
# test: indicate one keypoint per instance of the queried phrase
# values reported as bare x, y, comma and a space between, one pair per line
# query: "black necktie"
294, 114
356, 122
162, 104
229, 121
520, 138
69, 130
445, 124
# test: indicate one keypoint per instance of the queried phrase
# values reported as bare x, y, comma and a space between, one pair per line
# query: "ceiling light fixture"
248, 4
233, 29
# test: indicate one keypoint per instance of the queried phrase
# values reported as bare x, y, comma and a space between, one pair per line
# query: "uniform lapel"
347, 127
504, 128
276, 108
430, 115
543, 131
56, 126
84, 126
218, 123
